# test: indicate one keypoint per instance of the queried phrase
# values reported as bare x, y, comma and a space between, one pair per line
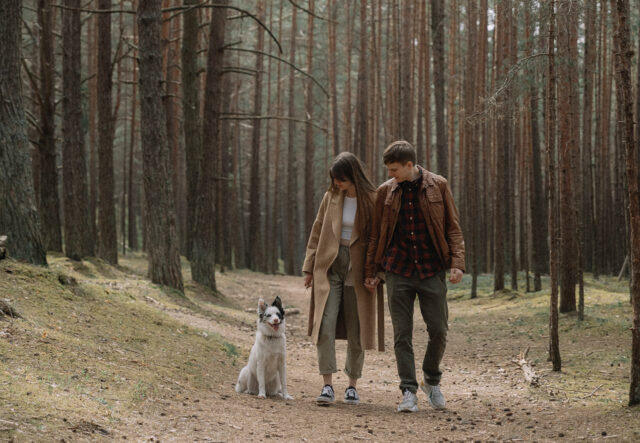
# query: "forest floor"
102, 354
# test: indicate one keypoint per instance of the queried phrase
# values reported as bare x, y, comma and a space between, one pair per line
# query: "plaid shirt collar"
423, 180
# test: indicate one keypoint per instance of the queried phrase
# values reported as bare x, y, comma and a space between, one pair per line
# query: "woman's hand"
371, 283
308, 279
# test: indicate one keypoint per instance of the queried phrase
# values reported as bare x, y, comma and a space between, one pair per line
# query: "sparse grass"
99, 349
595, 351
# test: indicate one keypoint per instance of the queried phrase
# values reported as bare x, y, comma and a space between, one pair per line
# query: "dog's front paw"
262, 395
287, 397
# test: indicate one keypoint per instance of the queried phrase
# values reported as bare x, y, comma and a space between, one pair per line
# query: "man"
414, 239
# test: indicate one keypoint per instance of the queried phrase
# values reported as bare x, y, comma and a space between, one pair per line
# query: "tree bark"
437, 38
107, 240
162, 241
191, 115
623, 54
18, 215
78, 235
568, 145
309, 147
335, 132
49, 201
291, 232
554, 342
255, 250
203, 263
361, 121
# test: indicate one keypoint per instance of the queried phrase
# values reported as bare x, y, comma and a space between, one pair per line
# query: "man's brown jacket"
440, 214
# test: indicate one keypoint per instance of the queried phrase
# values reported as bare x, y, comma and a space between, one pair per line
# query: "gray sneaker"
436, 399
351, 396
326, 396
409, 402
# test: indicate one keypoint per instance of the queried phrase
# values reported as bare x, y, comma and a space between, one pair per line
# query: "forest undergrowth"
101, 353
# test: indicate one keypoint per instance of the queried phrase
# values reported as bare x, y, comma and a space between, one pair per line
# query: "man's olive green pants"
432, 297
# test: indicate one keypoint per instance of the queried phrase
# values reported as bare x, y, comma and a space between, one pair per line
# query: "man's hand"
308, 279
371, 283
455, 276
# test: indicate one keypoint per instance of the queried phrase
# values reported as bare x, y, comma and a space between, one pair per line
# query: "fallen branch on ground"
592, 392
529, 374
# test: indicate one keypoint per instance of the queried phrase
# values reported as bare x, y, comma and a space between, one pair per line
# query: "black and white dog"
266, 371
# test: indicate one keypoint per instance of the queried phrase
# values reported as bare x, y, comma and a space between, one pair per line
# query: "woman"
341, 307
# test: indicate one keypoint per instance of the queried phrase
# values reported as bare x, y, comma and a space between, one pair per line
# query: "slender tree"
623, 54
191, 114
567, 145
437, 38
49, 200
107, 240
255, 250
554, 341
203, 263
331, 56
309, 146
18, 215
78, 234
291, 231
159, 213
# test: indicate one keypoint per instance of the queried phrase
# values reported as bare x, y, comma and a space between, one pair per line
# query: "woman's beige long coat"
322, 249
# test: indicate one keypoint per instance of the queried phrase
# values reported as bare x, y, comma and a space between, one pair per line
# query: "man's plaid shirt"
411, 247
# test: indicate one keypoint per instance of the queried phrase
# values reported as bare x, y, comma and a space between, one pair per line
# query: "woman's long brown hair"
347, 167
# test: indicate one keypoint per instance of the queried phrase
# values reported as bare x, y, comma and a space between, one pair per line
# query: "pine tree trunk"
78, 235
405, 72
159, 214
203, 263
472, 141
49, 200
623, 54
132, 225
309, 147
291, 232
191, 112
107, 240
586, 216
361, 122
502, 147
335, 132
554, 342
568, 145
277, 186
437, 37
256, 245
18, 215
92, 63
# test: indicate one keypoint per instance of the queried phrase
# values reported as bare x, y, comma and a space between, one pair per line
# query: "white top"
348, 216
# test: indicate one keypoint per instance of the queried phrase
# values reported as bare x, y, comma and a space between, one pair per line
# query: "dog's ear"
278, 304
261, 307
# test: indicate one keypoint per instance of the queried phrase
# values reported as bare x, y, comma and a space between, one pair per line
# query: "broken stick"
529, 374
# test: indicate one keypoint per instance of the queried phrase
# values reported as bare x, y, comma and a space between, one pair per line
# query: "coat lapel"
337, 202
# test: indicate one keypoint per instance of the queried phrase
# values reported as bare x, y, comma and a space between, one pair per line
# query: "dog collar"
272, 337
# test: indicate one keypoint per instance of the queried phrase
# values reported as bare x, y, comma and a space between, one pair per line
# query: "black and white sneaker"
351, 396
326, 396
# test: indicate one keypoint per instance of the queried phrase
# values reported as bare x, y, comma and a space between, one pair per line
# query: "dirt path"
487, 397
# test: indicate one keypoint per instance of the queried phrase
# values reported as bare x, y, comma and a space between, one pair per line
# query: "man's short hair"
399, 151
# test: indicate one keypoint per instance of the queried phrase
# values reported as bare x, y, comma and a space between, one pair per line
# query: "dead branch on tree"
253, 51
311, 13
270, 117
